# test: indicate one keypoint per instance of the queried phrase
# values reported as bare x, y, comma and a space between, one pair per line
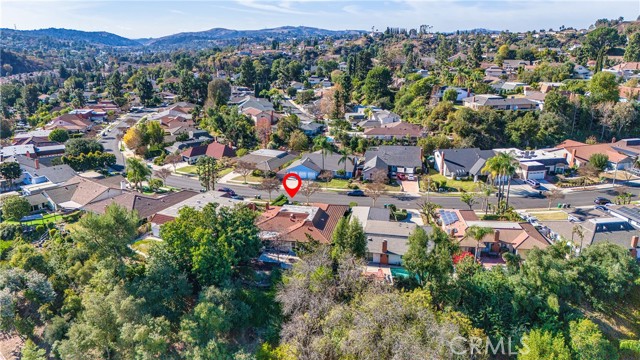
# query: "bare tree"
244, 168
163, 174
173, 159
269, 185
326, 177
377, 187
309, 188
553, 195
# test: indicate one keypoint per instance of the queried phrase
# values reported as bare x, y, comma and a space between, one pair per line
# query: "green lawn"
549, 215
460, 185
48, 218
250, 179
193, 170
189, 169
335, 184
143, 245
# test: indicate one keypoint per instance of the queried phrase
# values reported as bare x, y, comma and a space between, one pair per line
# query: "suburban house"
78, 192
42, 145
625, 70
397, 130
196, 201
34, 173
495, 71
612, 229
514, 237
268, 160
392, 159
512, 85
214, 150
582, 72
311, 128
281, 227
71, 123
462, 163
90, 114
311, 165
498, 103
461, 92
179, 146
622, 154
145, 206
386, 240
536, 164
629, 213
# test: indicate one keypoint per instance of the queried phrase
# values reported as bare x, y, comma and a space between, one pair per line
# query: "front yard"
459, 185
193, 170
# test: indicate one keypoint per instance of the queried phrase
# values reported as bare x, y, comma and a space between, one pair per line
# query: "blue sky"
154, 18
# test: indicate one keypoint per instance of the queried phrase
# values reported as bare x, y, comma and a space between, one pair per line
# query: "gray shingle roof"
469, 160
393, 155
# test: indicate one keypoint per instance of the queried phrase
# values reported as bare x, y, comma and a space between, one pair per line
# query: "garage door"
536, 175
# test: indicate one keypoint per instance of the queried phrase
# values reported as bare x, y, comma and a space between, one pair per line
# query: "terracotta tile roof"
396, 129
214, 150
584, 152
294, 223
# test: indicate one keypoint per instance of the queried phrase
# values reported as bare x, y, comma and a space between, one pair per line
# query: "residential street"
576, 198
110, 142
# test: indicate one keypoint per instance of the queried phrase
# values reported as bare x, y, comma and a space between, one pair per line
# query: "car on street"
355, 193
237, 197
225, 189
601, 201
533, 183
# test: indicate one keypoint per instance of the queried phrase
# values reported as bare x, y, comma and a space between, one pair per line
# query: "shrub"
40, 229
5, 248
9, 231
241, 152
280, 200
631, 347
353, 203
353, 186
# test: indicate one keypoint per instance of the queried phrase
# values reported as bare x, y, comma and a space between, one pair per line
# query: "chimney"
36, 163
384, 246
573, 157
123, 185
613, 140
266, 206
496, 236
442, 164
634, 242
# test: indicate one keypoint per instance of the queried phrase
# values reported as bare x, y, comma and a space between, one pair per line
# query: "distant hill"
12, 63
227, 35
93, 37
53, 37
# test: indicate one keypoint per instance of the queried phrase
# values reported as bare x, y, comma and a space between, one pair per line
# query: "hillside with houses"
456, 189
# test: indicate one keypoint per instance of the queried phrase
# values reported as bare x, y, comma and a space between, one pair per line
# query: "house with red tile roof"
214, 150
397, 130
514, 237
70, 122
622, 154
281, 227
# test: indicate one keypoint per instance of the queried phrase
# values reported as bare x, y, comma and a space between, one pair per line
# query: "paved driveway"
411, 187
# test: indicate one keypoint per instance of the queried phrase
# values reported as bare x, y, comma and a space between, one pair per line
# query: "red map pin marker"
292, 191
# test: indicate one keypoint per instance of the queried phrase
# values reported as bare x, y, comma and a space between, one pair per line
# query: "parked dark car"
225, 189
355, 193
601, 201
237, 197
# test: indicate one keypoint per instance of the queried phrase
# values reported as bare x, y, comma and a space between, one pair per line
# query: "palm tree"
477, 233
579, 231
322, 143
345, 156
500, 167
137, 172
